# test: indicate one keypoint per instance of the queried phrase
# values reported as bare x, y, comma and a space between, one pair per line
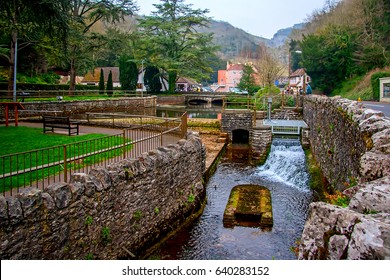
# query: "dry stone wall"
135, 105
117, 212
351, 143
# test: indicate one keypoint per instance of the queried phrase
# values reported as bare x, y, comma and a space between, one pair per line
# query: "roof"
95, 75
186, 81
235, 67
298, 73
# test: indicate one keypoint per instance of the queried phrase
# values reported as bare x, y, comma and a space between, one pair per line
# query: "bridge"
200, 98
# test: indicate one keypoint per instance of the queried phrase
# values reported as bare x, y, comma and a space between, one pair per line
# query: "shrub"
110, 86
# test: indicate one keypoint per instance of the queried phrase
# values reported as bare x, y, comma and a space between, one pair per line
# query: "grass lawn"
21, 139
43, 155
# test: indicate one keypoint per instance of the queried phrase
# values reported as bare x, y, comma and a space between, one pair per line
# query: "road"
379, 106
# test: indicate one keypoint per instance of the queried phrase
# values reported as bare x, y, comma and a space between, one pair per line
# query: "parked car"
238, 91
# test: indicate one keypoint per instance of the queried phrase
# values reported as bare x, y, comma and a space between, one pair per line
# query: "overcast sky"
258, 17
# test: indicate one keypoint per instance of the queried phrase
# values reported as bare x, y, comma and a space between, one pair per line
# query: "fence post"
124, 143
161, 134
65, 165
184, 126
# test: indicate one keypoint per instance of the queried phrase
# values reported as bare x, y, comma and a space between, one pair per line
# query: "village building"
297, 79
93, 77
229, 78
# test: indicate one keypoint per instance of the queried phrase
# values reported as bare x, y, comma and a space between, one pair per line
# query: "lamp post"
15, 69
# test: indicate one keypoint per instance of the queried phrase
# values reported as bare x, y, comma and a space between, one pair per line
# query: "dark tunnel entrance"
240, 136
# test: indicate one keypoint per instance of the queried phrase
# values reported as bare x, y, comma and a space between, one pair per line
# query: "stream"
285, 175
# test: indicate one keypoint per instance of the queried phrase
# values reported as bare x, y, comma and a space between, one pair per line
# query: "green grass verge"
21, 139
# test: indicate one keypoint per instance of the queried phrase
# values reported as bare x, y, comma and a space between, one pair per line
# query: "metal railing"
42, 167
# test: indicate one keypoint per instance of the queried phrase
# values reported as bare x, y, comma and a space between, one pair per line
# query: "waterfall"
286, 163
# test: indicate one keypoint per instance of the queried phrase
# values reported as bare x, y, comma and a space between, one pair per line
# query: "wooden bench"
51, 122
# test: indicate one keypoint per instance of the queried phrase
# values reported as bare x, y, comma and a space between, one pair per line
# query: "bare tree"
268, 66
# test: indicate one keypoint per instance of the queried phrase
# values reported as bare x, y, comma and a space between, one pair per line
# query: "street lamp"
15, 69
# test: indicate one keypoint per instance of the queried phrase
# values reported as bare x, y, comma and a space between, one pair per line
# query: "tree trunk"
72, 77
172, 76
12, 62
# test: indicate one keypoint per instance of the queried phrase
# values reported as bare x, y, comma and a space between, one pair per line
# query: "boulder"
332, 232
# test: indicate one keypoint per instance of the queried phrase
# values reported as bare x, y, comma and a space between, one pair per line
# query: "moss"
318, 182
368, 140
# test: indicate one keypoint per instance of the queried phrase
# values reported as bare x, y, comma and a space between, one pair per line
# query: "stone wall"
171, 100
135, 105
351, 143
112, 213
236, 119
261, 142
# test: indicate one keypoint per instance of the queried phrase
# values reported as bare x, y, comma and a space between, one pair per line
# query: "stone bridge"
200, 98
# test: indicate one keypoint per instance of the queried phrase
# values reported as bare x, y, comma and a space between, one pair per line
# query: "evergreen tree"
128, 73
101, 82
152, 79
110, 86
247, 81
174, 44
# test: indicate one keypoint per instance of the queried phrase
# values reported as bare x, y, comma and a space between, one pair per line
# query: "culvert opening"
240, 136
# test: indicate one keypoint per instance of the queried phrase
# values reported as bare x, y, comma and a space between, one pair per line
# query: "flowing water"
285, 175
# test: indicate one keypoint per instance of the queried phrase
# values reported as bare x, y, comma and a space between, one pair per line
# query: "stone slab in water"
248, 205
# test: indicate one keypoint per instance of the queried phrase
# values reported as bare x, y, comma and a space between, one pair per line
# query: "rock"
374, 166
370, 240
15, 212
337, 246
374, 197
103, 177
61, 194
30, 200
332, 232
3, 211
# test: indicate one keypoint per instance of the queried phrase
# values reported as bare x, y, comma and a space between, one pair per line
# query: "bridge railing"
241, 102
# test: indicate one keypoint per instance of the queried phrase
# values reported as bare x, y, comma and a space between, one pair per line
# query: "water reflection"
208, 239
207, 111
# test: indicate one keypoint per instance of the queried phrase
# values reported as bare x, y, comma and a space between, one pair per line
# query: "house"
297, 78
229, 78
186, 84
92, 78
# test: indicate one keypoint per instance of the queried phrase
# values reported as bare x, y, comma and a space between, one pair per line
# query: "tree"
128, 73
269, 67
22, 20
247, 81
82, 42
328, 57
110, 86
101, 82
152, 79
172, 42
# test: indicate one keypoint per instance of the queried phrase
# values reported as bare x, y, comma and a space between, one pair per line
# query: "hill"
233, 40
